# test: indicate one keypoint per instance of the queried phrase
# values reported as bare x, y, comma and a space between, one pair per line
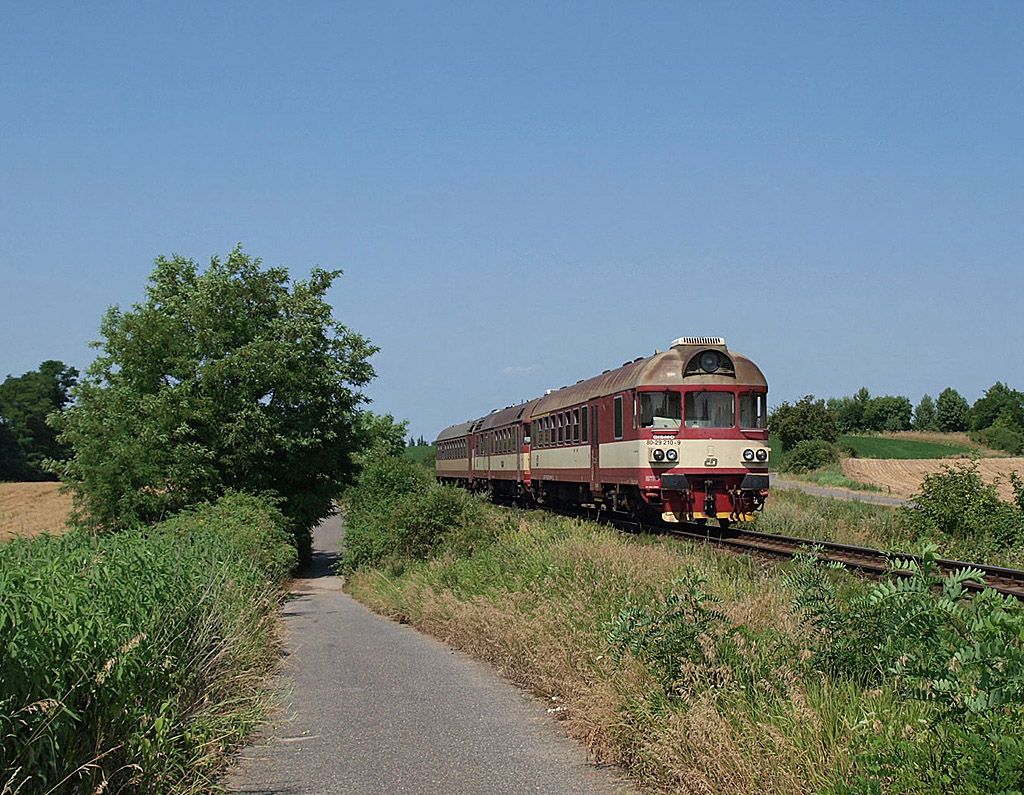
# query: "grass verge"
707, 672
133, 662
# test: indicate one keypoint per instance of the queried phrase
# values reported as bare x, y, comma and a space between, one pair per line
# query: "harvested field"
903, 477
27, 509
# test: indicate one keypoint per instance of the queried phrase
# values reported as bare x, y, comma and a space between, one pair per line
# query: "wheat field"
27, 509
903, 477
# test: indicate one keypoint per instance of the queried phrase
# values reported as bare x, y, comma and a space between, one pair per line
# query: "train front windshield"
710, 409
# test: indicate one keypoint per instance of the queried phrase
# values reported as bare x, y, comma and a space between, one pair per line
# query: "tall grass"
133, 661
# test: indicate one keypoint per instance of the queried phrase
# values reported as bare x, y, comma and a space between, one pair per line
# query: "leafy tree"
232, 378
888, 413
25, 403
999, 401
12, 461
806, 419
951, 411
850, 411
380, 435
924, 415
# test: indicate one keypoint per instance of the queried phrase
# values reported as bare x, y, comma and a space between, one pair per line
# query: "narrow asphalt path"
372, 706
836, 493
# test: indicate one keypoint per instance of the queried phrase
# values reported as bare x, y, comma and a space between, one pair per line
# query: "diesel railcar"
677, 436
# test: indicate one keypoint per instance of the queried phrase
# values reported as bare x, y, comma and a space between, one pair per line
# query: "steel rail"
867, 560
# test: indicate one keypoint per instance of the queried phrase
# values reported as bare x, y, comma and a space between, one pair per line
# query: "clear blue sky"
522, 195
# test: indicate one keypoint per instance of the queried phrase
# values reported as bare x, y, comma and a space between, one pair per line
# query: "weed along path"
372, 706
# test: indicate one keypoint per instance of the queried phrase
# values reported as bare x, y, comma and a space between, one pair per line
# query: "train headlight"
762, 455
658, 454
672, 454
748, 455
709, 361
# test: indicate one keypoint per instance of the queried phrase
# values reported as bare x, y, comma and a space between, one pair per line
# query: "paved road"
836, 493
376, 707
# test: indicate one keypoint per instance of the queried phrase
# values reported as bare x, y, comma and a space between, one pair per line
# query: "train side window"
583, 417
618, 417
526, 433
576, 425
561, 430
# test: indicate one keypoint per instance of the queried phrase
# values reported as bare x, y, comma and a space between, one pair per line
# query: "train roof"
669, 368
673, 367
502, 417
454, 431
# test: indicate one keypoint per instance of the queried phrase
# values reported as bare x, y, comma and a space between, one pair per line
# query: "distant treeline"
26, 440
996, 419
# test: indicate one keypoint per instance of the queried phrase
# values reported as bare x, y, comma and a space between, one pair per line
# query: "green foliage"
230, 378
27, 441
862, 412
396, 511
959, 652
958, 502
381, 486
952, 412
924, 415
810, 454
888, 413
1001, 405
12, 460
806, 419
671, 632
380, 435
424, 454
849, 411
254, 526
132, 661
1001, 437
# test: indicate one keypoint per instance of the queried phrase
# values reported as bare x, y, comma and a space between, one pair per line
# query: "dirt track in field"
903, 476
27, 509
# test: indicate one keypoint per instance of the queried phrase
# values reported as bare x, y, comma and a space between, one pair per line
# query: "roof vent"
699, 341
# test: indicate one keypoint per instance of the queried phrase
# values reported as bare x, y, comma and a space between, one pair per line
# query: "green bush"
810, 454
381, 486
958, 502
806, 419
959, 653
133, 661
395, 510
1000, 437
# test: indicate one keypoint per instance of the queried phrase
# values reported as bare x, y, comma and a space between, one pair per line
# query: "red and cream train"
679, 436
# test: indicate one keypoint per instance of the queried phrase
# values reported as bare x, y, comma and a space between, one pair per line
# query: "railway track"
866, 560
863, 559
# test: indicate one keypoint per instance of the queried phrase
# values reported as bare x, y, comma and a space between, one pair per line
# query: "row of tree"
864, 412
996, 418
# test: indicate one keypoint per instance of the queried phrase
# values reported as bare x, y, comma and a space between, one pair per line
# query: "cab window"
752, 410
661, 410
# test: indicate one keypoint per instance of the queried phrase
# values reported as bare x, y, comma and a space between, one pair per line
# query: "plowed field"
903, 476
27, 509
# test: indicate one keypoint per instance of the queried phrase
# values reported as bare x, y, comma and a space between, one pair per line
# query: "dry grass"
547, 633
903, 477
27, 509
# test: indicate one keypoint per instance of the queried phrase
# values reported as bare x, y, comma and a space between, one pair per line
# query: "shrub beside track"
132, 662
